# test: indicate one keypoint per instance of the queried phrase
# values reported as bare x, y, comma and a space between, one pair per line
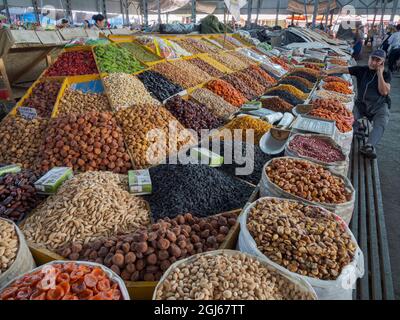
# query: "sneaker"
368, 151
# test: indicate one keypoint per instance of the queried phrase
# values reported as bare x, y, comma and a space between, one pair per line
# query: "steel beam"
68, 10
145, 13
35, 6
315, 13
193, 11
159, 12
249, 9
394, 10
277, 12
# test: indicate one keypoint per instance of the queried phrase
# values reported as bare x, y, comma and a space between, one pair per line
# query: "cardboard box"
53, 179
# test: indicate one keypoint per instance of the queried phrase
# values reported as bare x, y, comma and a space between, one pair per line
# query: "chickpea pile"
228, 277
304, 239
307, 180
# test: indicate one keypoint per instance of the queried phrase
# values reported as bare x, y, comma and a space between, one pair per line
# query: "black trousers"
393, 57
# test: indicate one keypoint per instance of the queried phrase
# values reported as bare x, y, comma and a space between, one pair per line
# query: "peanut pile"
307, 180
21, 140
76, 101
8, 245
307, 240
88, 206
228, 277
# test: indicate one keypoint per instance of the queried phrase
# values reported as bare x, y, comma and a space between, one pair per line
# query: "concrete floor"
389, 168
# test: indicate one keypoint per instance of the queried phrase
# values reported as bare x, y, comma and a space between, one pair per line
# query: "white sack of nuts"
229, 275
15, 257
88, 206
304, 240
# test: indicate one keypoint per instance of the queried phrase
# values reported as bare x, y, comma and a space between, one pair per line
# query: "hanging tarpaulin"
298, 6
166, 5
234, 7
206, 7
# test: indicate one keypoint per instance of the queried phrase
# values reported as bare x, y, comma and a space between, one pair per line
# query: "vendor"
373, 100
99, 22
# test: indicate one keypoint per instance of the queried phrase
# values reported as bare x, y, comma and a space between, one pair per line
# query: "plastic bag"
339, 167
345, 139
339, 289
343, 210
301, 283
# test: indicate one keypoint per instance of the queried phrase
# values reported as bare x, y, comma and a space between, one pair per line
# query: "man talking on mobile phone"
373, 100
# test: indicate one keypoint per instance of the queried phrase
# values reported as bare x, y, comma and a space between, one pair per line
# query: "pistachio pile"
307, 240
76, 101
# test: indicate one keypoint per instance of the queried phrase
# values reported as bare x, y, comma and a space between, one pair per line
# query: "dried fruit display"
312, 60
64, 281
73, 63
225, 44
337, 87
76, 101
338, 62
251, 82
145, 148
302, 73
192, 115
195, 188
337, 79
43, 97
290, 89
189, 45
217, 105
18, 195
177, 75
307, 180
201, 64
112, 58
316, 147
21, 140
139, 52
260, 75
248, 123
285, 95
312, 66
126, 90
276, 104
228, 275
301, 80
159, 85
243, 57
87, 142
297, 84
240, 86
226, 91
146, 254
88, 206
9, 245
229, 60
343, 98
291, 237
187, 67
281, 62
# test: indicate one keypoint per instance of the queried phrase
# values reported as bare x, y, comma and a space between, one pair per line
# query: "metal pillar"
68, 10
258, 10
315, 13
145, 13
249, 7
35, 6
193, 11
104, 9
327, 15
159, 12
375, 12
277, 12
305, 11
383, 13
127, 20
7, 11
121, 6
394, 10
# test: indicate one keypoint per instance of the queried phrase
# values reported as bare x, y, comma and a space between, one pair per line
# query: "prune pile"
288, 97
194, 188
158, 85
305, 75
18, 195
192, 115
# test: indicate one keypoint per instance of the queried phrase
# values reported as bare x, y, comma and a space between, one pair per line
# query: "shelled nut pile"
88, 206
304, 239
147, 254
225, 276
76, 101
8, 245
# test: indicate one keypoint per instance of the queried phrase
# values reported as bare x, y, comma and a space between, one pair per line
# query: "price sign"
27, 113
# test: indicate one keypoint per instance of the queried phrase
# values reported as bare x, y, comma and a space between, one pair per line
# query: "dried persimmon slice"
65, 286
38, 295
55, 294
103, 285
76, 275
23, 293
90, 280
70, 297
8, 293
85, 294
79, 286
63, 277
98, 273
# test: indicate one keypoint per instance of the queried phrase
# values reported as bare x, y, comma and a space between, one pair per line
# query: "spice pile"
333, 110
316, 147
64, 281
18, 196
226, 91
76, 101
43, 97
21, 140
8, 245
290, 234
248, 125
176, 75
307, 180
158, 85
146, 254
218, 106
198, 189
73, 63
112, 58
276, 104
86, 207
145, 148
125, 90
192, 115
225, 276
87, 142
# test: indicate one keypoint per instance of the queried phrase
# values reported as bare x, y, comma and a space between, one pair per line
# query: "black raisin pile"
158, 85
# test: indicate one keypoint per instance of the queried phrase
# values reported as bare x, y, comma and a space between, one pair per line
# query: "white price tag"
27, 113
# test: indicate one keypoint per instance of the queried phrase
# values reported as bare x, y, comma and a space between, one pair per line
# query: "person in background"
99, 22
394, 48
373, 100
64, 24
358, 43
385, 42
86, 24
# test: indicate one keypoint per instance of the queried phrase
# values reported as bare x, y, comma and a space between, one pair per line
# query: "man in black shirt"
373, 101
